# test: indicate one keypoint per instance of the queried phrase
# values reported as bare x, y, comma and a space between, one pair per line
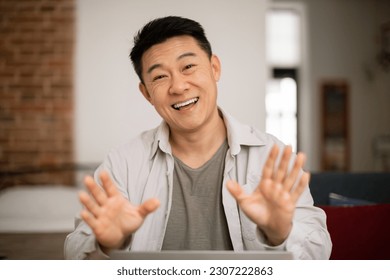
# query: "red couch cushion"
359, 232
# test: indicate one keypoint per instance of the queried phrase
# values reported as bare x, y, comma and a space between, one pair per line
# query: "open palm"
110, 215
271, 205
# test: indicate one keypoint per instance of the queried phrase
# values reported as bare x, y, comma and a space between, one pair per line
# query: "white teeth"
185, 103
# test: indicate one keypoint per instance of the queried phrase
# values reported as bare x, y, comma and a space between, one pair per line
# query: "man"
201, 180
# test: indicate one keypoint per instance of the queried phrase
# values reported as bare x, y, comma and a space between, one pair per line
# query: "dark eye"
159, 77
189, 66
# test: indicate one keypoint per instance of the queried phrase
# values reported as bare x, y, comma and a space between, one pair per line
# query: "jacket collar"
161, 140
238, 135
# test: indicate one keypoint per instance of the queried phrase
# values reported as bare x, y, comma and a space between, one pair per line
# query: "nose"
179, 84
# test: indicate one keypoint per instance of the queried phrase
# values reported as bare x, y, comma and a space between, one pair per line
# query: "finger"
268, 168
148, 207
303, 182
108, 184
96, 191
89, 203
281, 172
294, 173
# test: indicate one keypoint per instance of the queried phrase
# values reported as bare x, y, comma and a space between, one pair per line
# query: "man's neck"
197, 147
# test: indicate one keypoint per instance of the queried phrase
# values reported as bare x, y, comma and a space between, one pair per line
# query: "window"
283, 53
281, 108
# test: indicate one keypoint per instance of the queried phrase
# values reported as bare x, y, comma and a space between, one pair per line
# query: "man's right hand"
110, 215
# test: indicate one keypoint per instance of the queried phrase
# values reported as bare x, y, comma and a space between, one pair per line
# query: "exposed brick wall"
36, 89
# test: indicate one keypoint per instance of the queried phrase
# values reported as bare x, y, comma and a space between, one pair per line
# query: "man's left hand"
271, 205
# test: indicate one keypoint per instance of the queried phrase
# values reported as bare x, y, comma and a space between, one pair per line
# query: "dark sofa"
358, 213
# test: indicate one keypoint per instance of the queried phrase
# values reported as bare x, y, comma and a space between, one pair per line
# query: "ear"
216, 67
145, 93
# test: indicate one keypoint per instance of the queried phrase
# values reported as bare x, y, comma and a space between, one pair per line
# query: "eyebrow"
158, 65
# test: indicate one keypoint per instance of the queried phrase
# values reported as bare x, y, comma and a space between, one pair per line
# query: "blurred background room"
315, 73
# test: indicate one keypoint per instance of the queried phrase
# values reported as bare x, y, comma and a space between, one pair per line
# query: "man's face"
180, 82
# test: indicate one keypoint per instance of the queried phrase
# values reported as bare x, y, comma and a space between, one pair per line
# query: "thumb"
235, 189
148, 206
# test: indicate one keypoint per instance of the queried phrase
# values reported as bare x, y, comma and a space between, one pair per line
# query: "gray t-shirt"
197, 219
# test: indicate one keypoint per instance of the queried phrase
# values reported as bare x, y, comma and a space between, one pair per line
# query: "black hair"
159, 30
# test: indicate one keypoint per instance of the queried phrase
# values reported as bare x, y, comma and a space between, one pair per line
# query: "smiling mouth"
179, 106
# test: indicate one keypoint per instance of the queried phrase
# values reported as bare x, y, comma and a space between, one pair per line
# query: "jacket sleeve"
309, 237
82, 244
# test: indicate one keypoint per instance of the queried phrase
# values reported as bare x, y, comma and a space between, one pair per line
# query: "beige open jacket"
143, 169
